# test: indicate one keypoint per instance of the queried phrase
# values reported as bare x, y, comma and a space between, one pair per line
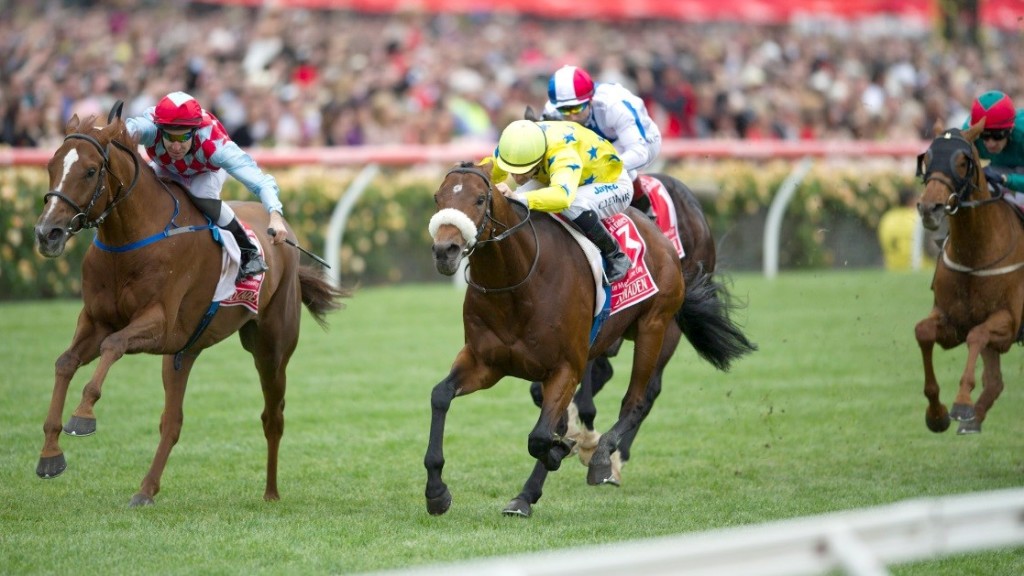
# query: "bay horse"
528, 313
713, 333
148, 282
979, 279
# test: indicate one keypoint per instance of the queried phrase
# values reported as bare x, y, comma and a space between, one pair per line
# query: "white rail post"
773, 224
339, 218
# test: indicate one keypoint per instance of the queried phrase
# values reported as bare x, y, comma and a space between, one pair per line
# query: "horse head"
464, 202
950, 170
86, 183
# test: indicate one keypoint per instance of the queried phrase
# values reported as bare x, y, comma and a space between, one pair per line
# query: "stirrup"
252, 265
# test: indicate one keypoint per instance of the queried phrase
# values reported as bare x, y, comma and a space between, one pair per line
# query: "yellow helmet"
521, 146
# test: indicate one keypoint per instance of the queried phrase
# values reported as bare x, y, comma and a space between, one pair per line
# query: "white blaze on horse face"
455, 218
69, 161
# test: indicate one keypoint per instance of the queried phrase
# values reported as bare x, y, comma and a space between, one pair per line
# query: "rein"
509, 230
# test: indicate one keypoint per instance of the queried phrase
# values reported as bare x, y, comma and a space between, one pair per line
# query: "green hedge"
386, 238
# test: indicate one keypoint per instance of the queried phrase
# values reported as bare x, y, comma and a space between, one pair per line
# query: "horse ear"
938, 128
115, 111
72, 124
975, 130
530, 114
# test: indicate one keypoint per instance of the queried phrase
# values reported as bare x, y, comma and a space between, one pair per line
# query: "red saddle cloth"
638, 284
247, 290
664, 210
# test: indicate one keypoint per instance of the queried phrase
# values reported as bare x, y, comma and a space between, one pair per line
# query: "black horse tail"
705, 320
319, 296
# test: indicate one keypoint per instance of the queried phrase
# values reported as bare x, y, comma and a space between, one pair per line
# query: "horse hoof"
962, 412
599, 474
969, 427
51, 466
78, 426
937, 425
441, 504
518, 507
140, 499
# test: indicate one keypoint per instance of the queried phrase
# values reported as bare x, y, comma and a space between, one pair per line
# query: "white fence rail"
857, 543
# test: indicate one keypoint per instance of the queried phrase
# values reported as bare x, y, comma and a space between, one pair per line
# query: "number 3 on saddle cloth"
635, 287
247, 291
664, 210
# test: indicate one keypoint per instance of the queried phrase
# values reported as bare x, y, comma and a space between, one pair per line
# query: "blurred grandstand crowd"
298, 78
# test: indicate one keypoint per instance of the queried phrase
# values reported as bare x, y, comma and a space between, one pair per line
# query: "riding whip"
291, 242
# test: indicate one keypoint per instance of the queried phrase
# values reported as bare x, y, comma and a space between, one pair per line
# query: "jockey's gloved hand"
993, 175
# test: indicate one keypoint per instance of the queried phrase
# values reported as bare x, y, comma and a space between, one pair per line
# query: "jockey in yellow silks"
566, 168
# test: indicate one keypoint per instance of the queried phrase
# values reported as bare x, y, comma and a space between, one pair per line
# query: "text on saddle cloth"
247, 291
664, 210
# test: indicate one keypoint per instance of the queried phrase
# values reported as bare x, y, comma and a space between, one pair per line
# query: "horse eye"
90, 172
436, 199
481, 199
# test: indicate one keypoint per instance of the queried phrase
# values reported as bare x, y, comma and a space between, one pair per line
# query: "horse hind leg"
171, 421
936, 415
271, 346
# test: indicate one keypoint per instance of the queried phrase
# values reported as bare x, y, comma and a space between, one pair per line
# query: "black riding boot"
616, 263
252, 263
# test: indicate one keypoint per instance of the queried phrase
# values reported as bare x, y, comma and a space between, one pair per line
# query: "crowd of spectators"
298, 78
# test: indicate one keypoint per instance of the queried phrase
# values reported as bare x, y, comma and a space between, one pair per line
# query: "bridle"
943, 152
492, 235
80, 220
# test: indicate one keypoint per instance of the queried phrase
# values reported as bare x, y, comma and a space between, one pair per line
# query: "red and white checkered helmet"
178, 109
569, 86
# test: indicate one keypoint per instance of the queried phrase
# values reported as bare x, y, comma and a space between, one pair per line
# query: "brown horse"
709, 329
979, 278
149, 289
528, 313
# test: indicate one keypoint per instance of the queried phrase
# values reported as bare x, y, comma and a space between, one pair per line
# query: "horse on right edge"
979, 276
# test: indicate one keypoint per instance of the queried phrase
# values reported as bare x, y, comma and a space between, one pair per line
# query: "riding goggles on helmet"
183, 137
995, 134
574, 109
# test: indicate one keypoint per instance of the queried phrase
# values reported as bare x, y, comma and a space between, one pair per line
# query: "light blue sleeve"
142, 128
243, 168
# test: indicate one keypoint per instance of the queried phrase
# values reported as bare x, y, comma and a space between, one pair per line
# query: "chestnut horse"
979, 279
528, 313
713, 334
148, 281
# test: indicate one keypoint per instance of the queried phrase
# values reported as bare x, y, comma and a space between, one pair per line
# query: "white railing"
856, 543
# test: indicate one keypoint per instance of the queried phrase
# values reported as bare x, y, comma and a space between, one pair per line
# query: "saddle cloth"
246, 292
664, 210
638, 283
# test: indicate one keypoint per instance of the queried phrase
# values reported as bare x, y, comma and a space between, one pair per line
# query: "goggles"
574, 109
183, 137
995, 134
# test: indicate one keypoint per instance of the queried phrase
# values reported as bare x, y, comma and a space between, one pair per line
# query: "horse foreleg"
992, 387
465, 377
547, 441
85, 347
533, 489
170, 425
936, 416
141, 335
